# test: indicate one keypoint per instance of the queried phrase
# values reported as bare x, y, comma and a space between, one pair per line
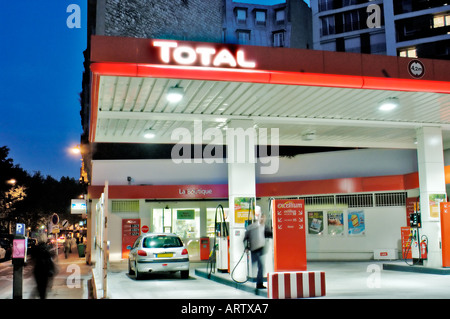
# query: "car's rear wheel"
137, 273
130, 271
184, 274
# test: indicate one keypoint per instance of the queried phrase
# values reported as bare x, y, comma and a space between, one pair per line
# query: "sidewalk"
72, 279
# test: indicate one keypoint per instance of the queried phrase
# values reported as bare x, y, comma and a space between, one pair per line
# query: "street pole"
18, 278
19, 254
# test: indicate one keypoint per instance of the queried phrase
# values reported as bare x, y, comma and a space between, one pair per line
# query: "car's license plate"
164, 255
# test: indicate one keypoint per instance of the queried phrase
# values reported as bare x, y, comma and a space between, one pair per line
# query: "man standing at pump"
255, 236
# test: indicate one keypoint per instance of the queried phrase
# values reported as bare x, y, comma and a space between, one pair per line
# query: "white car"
158, 252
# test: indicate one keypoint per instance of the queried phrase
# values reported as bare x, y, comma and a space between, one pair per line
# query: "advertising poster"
242, 209
356, 223
289, 235
315, 223
435, 200
335, 223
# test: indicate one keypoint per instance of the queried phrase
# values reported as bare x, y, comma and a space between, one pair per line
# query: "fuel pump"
250, 219
218, 257
418, 244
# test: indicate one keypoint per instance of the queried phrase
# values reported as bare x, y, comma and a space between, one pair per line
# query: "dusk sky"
41, 65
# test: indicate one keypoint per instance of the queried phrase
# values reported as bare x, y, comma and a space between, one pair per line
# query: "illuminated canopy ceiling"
312, 98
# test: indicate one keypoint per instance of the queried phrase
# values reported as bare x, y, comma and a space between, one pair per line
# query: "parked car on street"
158, 252
6, 244
2, 253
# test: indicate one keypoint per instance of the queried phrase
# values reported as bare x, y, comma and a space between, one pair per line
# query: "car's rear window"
161, 242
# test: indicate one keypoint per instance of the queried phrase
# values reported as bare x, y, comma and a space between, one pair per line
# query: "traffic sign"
55, 219
65, 223
20, 229
145, 229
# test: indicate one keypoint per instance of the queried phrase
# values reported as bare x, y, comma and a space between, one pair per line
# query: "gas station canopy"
314, 98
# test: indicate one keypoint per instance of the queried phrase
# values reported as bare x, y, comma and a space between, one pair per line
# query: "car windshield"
162, 241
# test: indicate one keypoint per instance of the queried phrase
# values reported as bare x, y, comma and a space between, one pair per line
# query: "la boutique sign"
171, 52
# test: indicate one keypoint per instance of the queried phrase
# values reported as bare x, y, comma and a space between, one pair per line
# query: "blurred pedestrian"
255, 236
44, 267
67, 248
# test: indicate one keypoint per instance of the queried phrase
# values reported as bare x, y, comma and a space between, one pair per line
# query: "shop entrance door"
162, 220
185, 222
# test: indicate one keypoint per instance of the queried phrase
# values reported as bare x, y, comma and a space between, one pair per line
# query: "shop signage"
78, 206
289, 237
194, 191
185, 214
171, 52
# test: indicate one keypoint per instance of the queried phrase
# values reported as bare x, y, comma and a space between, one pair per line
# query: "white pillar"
430, 156
241, 183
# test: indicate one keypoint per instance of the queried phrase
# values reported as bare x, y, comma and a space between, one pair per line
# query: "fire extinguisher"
424, 249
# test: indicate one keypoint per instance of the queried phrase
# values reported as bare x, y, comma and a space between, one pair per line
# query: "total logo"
171, 52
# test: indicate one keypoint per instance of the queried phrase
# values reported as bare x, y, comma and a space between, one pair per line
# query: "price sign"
131, 229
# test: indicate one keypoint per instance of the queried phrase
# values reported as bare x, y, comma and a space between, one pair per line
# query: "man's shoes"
260, 286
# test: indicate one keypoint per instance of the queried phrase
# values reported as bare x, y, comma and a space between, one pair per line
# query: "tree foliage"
33, 199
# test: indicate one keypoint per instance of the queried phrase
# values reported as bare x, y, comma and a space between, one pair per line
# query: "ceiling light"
388, 104
149, 134
309, 136
175, 94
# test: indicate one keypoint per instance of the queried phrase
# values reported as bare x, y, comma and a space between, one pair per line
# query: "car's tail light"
184, 252
142, 253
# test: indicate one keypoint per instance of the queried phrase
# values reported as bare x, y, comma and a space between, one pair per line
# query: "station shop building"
384, 159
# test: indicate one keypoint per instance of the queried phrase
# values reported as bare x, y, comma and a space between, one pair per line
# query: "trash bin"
81, 250
204, 248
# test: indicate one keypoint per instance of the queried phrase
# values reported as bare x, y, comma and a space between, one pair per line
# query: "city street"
69, 283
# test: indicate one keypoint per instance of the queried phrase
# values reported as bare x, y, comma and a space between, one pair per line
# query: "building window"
241, 15
278, 39
328, 25
408, 53
441, 21
243, 36
351, 21
260, 17
280, 16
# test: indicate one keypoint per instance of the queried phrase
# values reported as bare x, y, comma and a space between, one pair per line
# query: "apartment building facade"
408, 28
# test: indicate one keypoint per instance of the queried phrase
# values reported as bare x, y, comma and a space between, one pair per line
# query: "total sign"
171, 52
